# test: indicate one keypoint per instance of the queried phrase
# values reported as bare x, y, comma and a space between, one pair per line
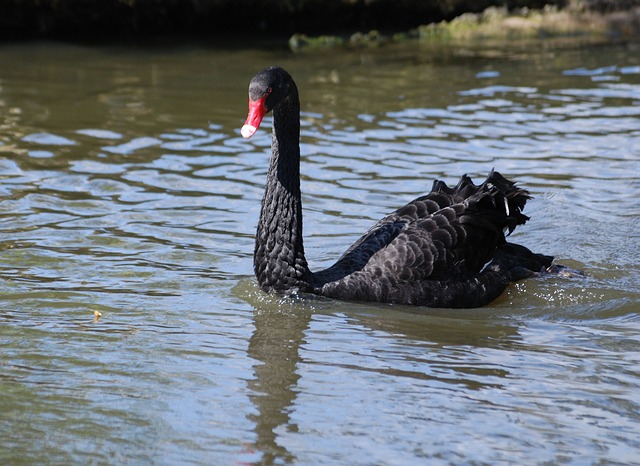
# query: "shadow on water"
480, 360
275, 346
439, 349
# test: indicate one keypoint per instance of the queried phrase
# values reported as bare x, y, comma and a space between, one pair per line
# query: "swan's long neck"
279, 261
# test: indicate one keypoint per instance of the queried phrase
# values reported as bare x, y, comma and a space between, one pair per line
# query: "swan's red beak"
257, 111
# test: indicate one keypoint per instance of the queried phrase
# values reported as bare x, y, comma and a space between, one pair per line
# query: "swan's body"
444, 249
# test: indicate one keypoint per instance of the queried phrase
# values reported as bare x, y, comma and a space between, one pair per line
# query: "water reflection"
293, 340
275, 346
319, 368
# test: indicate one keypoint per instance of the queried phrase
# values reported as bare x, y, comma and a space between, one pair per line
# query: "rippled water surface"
132, 331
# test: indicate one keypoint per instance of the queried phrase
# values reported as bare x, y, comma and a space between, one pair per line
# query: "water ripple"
128, 223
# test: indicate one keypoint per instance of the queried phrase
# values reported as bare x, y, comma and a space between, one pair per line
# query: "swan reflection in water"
290, 342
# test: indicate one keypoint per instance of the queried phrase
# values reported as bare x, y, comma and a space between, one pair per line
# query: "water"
128, 191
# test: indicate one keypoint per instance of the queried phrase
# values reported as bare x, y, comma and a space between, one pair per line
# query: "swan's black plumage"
444, 249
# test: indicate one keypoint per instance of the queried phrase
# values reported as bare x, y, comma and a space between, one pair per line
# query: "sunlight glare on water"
132, 329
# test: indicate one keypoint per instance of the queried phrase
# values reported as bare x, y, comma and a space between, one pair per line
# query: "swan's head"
266, 90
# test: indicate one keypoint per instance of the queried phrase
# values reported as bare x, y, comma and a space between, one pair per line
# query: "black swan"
444, 249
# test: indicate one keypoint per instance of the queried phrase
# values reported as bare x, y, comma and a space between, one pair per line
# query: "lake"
132, 329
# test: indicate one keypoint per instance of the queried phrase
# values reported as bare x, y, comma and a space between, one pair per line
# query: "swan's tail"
496, 204
492, 209
513, 198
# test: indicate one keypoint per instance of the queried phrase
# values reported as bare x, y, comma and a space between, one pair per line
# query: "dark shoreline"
124, 20
311, 23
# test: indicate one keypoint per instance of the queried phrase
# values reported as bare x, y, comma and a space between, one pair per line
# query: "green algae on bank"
496, 23
373, 37
499, 23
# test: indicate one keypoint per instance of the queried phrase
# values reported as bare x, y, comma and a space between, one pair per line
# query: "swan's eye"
269, 90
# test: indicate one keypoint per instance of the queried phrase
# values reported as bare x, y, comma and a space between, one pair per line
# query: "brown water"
127, 190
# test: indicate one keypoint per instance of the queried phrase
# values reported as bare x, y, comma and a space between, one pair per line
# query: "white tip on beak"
247, 131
